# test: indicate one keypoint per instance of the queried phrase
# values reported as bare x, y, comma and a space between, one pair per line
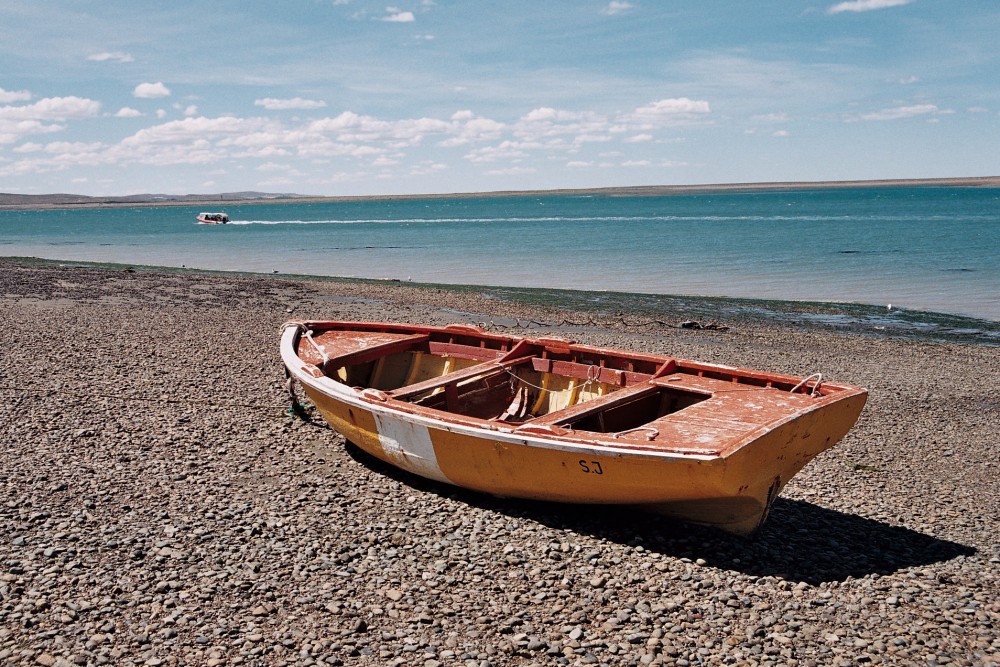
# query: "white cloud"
780, 133
638, 139
69, 147
511, 171
14, 130
428, 167
616, 7
151, 90
8, 96
865, 5
897, 113
506, 150
670, 112
114, 56
52, 108
636, 163
29, 147
191, 110
399, 16
673, 107
275, 166
273, 104
128, 112
770, 118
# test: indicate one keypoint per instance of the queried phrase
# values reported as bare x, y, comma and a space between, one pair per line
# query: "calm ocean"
918, 248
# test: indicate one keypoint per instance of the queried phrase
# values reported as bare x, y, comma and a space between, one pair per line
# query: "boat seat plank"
362, 348
580, 410
454, 377
580, 371
464, 351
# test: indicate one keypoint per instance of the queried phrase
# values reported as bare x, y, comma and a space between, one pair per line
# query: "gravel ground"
159, 506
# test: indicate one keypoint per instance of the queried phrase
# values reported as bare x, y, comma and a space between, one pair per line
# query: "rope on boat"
805, 381
295, 409
322, 353
546, 389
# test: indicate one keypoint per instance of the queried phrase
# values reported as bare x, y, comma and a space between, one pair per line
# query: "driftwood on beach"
160, 505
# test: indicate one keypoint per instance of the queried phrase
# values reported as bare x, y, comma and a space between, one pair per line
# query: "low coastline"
12, 201
160, 504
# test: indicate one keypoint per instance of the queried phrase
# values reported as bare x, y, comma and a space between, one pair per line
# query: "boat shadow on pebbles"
801, 542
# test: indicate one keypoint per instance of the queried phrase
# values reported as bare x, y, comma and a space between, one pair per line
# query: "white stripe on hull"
408, 445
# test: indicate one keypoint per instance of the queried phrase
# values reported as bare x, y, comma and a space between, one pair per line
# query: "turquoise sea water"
918, 248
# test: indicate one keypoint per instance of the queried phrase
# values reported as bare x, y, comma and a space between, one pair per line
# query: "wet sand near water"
159, 505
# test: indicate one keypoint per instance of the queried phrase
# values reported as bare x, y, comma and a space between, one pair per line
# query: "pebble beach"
159, 505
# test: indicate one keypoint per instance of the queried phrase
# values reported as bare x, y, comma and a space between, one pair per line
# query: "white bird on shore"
889, 307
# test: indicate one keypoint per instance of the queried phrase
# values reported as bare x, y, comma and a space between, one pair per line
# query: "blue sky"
350, 97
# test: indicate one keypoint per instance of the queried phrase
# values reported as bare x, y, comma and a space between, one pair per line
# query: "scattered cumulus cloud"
151, 91
28, 147
111, 56
897, 113
511, 171
298, 103
865, 5
770, 118
376, 146
616, 7
8, 96
667, 113
396, 15
52, 108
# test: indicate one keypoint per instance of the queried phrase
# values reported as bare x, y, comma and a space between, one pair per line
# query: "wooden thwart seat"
484, 369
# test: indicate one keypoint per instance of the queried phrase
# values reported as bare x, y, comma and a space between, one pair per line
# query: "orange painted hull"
703, 443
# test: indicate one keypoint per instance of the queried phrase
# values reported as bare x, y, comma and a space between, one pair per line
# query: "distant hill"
16, 201
68, 200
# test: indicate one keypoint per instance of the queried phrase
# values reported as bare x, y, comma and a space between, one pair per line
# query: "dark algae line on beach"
645, 310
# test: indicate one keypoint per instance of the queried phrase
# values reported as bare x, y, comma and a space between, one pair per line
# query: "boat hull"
731, 491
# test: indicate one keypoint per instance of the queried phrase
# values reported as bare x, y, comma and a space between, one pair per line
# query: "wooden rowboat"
552, 420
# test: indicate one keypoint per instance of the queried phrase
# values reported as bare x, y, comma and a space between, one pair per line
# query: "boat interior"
544, 383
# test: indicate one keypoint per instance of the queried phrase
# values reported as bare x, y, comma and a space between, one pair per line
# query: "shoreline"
159, 505
10, 201
856, 318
